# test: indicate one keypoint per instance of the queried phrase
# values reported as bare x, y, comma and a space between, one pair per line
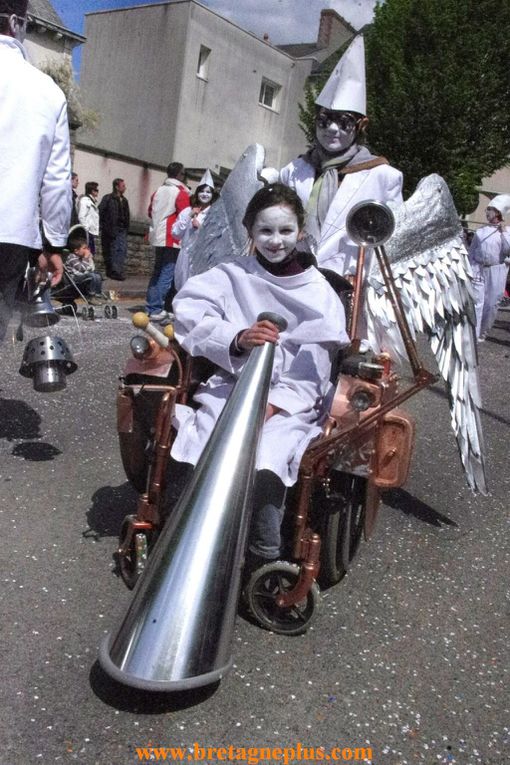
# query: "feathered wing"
223, 236
431, 270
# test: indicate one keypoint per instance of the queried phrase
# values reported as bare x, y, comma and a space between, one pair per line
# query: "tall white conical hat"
345, 89
501, 203
207, 178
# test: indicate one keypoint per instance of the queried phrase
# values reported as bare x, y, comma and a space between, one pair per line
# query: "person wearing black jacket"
114, 224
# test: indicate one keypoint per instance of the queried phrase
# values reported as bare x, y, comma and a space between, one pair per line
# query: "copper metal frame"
148, 511
319, 456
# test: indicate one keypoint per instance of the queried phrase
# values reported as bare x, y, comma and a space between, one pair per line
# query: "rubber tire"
135, 446
260, 593
342, 528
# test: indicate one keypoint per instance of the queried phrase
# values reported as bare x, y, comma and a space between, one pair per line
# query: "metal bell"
47, 360
38, 311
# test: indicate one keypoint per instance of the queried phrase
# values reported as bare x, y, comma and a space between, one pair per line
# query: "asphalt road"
408, 655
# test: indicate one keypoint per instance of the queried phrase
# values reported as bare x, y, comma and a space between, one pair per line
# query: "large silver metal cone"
177, 633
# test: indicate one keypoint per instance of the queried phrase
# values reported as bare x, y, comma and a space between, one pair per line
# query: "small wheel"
263, 587
115, 312
107, 312
85, 312
132, 561
91, 312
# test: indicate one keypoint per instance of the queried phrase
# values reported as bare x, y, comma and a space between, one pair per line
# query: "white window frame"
269, 87
203, 63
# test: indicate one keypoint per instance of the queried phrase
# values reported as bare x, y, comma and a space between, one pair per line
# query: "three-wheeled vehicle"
366, 446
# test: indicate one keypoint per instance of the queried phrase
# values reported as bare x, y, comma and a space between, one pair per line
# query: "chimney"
325, 26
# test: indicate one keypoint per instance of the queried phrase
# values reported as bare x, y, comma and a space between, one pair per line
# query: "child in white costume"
338, 172
189, 222
216, 317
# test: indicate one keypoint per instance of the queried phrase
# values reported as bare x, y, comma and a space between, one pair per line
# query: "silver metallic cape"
223, 236
432, 272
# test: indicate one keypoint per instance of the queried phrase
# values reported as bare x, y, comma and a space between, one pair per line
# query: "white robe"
487, 254
184, 230
336, 250
213, 307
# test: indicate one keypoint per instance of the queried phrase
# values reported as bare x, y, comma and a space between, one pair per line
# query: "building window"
203, 62
269, 94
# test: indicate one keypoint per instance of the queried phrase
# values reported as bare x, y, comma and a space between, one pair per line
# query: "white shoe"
159, 316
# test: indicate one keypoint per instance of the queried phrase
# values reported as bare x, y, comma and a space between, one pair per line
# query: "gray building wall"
131, 75
139, 71
220, 116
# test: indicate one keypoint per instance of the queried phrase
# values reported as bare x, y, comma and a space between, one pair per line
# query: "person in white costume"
489, 255
189, 222
338, 172
216, 317
35, 164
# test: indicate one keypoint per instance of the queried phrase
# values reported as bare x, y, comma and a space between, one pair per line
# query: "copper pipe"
308, 573
396, 303
358, 290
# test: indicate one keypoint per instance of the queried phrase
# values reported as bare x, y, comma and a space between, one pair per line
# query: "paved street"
408, 655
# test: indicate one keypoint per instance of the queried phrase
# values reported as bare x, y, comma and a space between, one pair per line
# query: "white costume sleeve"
56, 196
182, 222
200, 323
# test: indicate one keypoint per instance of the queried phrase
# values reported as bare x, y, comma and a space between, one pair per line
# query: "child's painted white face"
205, 196
275, 232
492, 215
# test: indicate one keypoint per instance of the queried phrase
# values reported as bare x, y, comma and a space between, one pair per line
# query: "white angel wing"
223, 236
432, 272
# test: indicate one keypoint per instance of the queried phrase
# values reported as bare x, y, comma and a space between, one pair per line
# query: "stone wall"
140, 258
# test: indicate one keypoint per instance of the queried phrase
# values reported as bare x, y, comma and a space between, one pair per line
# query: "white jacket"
35, 164
166, 204
88, 214
336, 250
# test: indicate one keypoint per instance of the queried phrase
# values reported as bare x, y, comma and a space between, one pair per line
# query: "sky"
286, 21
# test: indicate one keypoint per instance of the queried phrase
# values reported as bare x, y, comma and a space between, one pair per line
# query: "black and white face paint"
205, 196
335, 131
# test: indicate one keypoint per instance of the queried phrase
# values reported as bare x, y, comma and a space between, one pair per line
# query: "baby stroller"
68, 290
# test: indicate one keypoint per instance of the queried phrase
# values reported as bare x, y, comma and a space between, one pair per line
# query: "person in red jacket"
165, 205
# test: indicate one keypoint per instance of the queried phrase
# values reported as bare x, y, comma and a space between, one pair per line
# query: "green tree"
61, 72
439, 90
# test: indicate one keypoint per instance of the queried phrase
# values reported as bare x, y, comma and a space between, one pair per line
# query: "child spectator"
80, 266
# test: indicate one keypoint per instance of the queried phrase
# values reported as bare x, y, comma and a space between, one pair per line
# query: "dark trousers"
114, 252
14, 259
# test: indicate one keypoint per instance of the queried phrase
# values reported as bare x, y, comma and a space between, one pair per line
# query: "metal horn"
177, 632
38, 311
